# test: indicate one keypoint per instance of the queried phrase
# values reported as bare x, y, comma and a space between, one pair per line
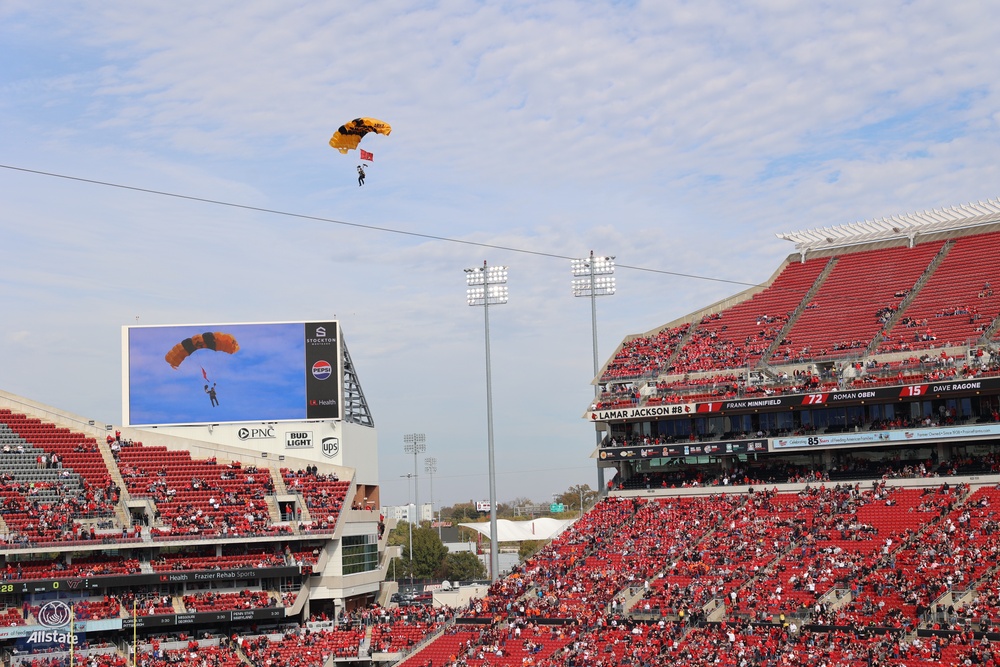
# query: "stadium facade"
872, 342
187, 528
804, 473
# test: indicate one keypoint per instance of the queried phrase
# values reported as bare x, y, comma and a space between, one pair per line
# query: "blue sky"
678, 136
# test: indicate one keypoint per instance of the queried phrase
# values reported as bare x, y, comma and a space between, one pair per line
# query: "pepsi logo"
322, 370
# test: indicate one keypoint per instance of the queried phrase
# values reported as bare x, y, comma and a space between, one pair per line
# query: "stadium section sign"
231, 373
619, 414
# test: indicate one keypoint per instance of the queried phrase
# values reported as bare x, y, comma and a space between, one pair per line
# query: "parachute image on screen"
215, 341
216, 373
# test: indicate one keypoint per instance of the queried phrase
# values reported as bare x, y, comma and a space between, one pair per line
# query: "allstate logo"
322, 370
54, 614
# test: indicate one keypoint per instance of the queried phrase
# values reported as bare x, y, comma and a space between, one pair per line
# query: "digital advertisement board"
221, 373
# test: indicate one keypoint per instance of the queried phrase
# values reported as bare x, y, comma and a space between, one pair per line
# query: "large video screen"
218, 373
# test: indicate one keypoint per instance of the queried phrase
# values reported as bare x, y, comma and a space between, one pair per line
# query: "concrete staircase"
273, 511
279, 483
112, 466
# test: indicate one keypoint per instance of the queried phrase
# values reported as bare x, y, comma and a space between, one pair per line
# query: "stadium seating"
219, 601
324, 494
253, 556
738, 336
843, 316
643, 355
295, 650
957, 303
198, 497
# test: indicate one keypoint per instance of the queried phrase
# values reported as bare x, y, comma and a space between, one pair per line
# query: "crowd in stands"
642, 356
841, 377
221, 601
836, 574
304, 648
324, 494
89, 565
715, 348
845, 572
198, 497
778, 471
232, 557
681, 360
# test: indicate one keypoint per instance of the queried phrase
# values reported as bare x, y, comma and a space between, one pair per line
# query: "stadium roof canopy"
519, 531
896, 227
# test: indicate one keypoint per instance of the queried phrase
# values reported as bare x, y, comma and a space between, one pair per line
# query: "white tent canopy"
518, 531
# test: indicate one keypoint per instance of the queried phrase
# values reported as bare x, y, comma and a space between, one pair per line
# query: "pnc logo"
255, 433
322, 370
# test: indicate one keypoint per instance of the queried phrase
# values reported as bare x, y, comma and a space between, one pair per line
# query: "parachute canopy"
217, 341
349, 135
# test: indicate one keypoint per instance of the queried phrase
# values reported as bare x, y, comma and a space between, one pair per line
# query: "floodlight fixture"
487, 286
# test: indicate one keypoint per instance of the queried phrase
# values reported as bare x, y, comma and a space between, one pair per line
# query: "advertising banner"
174, 576
889, 437
230, 616
728, 448
826, 399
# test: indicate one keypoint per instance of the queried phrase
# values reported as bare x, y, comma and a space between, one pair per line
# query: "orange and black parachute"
349, 135
217, 341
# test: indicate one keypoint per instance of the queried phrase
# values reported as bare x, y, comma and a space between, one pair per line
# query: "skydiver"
211, 395
361, 175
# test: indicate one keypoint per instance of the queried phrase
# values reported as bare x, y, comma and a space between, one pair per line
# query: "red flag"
365, 155
204, 374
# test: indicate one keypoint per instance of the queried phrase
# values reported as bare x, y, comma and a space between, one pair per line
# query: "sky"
679, 137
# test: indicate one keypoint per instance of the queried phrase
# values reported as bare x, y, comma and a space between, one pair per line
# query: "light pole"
416, 444
594, 277
487, 285
409, 520
430, 467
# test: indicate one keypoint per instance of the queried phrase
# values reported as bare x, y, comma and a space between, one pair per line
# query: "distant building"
402, 512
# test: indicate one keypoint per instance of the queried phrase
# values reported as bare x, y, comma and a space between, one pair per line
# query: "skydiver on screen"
211, 395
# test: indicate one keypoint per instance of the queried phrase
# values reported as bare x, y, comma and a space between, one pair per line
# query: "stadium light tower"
594, 277
416, 444
431, 467
487, 285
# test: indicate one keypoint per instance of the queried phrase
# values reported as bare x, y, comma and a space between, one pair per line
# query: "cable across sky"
357, 225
